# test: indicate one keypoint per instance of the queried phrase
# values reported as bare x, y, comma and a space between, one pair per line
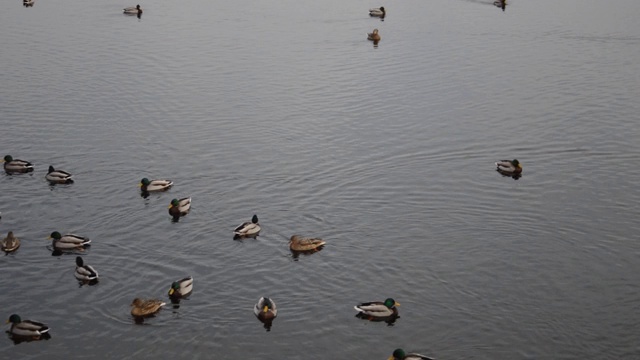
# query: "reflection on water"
390, 320
296, 254
17, 339
509, 174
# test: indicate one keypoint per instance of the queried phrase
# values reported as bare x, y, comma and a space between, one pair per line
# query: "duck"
248, 228
377, 12
373, 35
298, 243
399, 354
58, 176
144, 308
10, 243
378, 309
265, 309
147, 185
16, 165
69, 241
133, 10
509, 166
180, 207
26, 328
181, 289
85, 272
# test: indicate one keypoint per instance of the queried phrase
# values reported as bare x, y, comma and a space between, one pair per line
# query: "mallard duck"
181, 288
399, 354
147, 185
298, 243
133, 10
68, 241
10, 243
58, 176
377, 12
85, 272
144, 308
248, 228
16, 165
509, 166
26, 327
265, 309
373, 35
180, 207
378, 309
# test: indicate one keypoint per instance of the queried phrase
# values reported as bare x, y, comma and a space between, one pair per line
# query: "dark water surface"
285, 110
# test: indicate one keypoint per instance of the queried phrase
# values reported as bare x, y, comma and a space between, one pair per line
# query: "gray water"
283, 109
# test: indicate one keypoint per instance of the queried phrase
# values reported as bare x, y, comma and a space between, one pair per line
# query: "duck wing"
375, 308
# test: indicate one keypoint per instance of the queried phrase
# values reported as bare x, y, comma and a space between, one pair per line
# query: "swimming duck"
509, 166
154, 185
10, 243
181, 288
378, 309
16, 165
133, 10
68, 241
374, 35
399, 354
265, 309
298, 243
144, 308
85, 272
377, 12
58, 176
30, 328
180, 207
248, 228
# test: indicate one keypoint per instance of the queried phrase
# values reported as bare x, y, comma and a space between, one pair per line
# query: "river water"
284, 109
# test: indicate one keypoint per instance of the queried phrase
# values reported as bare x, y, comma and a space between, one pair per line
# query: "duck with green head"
27, 328
377, 12
147, 185
58, 176
68, 241
509, 167
181, 289
179, 208
248, 228
265, 309
378, 310
85, 272
12, 165
399, 354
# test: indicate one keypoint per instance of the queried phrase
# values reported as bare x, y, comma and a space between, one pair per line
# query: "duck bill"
397, 304
171, 291
265, 309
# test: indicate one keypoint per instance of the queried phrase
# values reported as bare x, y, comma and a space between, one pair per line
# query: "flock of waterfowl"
265, 309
